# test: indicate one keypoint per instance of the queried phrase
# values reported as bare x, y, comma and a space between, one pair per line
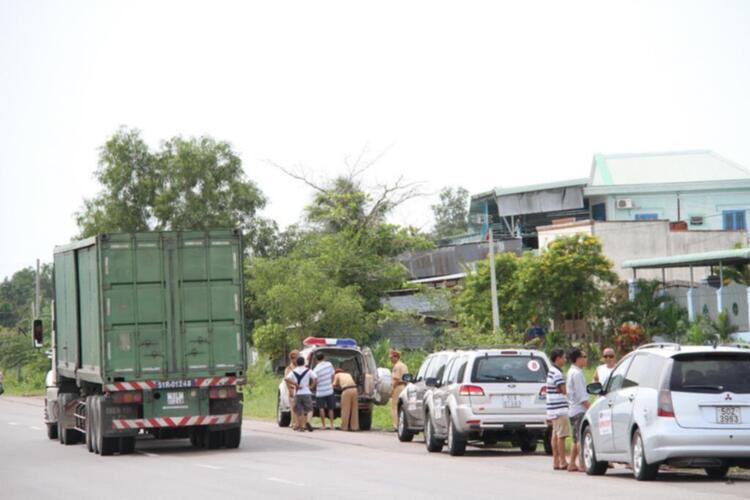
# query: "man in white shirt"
579, 402
301, 379
603, 371
324, 388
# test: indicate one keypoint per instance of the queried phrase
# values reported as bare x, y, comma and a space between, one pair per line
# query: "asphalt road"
275, 463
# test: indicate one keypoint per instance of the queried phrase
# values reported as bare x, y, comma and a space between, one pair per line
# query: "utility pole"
37, 298
493, 279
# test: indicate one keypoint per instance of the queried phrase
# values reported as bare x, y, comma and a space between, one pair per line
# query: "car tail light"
473, 422
470, 390
665, 409
543, 392
127, 397
222, 392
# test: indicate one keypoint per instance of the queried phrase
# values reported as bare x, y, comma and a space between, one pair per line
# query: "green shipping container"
150, 306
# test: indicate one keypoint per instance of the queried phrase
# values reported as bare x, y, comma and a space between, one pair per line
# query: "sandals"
562, 467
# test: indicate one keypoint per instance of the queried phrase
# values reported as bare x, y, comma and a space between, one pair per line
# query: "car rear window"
509, 369
711, 373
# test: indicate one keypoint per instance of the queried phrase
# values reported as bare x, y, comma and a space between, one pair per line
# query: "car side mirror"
595, 388
407, 378
431, 382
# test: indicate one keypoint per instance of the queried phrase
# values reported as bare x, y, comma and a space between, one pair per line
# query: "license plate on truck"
728, 415
175, 398
511, 401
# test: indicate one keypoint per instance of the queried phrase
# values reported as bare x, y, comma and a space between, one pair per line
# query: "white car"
373, 383
685, 406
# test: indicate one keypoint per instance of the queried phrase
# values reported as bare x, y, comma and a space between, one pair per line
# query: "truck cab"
359, 362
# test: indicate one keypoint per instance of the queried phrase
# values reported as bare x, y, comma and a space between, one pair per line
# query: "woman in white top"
603, 371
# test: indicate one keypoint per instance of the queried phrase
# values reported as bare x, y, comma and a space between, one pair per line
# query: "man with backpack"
302, 378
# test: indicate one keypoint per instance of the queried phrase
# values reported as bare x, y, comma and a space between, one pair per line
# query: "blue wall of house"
726, 209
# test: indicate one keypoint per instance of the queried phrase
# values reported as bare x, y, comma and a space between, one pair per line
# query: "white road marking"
212, 467
284, 481
35, 428
13, 423
148, 454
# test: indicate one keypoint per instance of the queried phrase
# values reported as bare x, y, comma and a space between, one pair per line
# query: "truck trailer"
148, 339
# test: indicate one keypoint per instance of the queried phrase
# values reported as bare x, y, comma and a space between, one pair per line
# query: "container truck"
148, 338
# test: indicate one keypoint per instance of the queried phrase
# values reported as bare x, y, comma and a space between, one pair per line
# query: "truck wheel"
283, 418
365, 420
214, 439
127, 445
69, 436
105, 445
433, 444
456, 440
89, 427
232, 437
198, 437
52, 431
405, 435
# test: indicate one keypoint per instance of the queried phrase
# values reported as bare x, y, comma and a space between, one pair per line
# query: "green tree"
17, 296
451, 212
193, 183
722, 327
647, 305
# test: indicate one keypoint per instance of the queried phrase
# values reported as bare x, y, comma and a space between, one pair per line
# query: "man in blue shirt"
324, 389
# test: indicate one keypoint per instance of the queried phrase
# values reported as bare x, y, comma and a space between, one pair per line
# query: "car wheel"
456, 440
642, 470
433, 444
717, 472
365, 420
527, 444
588, 453
283, 418
404, 433
547, 441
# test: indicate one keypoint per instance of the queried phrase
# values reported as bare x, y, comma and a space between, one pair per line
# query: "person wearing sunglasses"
603, 371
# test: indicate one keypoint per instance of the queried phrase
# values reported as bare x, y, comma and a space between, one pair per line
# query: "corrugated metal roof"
736, 256
541, 187
661, 168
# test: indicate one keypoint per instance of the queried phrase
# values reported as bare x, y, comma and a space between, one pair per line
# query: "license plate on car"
728, 415
175, 398
511, 401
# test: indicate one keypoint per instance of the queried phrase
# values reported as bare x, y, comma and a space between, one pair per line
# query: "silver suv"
487, 395
411, 400
686, 406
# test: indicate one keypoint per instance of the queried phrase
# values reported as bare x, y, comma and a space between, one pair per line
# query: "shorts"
561, 427
326, 402
302, 404
575, 424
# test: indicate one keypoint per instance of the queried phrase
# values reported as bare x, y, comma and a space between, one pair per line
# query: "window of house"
646, 216
734, 220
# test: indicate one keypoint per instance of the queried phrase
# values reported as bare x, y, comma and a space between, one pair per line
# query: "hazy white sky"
465, 93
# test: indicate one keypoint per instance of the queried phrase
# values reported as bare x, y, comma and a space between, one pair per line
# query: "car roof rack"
660, 345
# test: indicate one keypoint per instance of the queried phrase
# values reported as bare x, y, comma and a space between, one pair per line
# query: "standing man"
603, 371
397, 384
579, 402
324, 389
557, 408
301, 378
349, 397
290, 388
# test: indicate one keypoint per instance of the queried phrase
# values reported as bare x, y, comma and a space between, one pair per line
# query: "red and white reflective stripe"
148, 423
212, 381
130, 386
144, 385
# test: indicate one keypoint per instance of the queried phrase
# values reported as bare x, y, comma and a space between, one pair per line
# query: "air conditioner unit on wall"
623, 203
696, 220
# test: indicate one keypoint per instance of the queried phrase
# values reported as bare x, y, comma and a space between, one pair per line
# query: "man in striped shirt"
557, 408
324, 388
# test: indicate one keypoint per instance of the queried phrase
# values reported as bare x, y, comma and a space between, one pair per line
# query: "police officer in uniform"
397, 384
